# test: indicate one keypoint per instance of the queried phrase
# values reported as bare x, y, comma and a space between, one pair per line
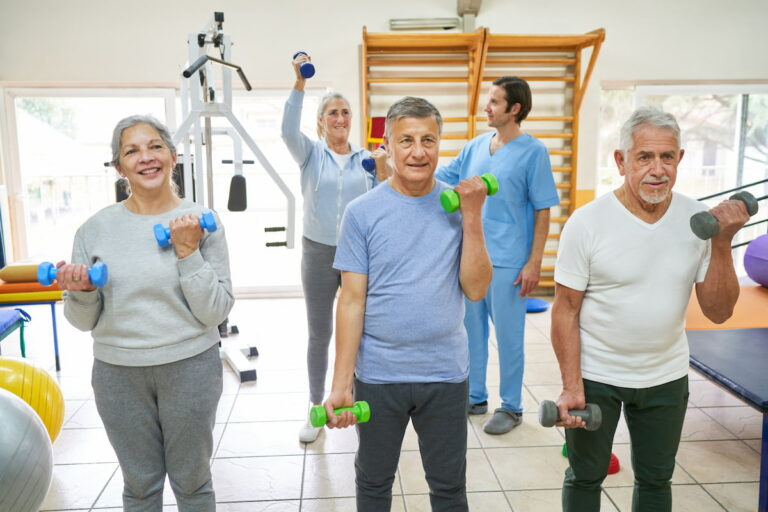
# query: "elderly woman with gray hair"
332, 175
157, 377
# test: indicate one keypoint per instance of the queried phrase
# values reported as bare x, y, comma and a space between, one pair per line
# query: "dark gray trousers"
159, 419
439, 415
320, 282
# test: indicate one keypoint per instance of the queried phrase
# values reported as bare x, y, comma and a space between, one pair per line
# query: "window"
63, 140
256, 268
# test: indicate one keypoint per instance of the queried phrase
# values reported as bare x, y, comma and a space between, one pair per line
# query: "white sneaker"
308, 433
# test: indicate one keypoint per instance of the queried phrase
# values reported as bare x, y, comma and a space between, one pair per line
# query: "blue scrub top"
526, 184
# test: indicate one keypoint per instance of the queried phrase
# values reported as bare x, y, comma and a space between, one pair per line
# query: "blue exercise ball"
26, 456
756, 260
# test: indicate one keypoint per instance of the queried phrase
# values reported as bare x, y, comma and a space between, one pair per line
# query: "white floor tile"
260, 466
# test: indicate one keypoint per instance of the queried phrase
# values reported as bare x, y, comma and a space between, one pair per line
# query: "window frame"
17, 249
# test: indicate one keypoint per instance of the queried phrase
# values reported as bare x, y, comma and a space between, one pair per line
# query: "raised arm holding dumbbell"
327, 163
707, 224
451, 201
305, 67
186, 234
718, 293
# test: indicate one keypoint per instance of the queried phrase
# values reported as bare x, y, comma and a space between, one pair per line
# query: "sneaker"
308, 433
502, 421
478, 408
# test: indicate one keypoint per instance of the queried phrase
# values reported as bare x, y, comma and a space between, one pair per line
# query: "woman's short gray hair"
130, 121
410, 106
646, 116
321, 110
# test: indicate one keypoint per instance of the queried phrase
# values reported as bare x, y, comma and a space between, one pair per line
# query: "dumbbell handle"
318, 416
369, 164
450, 198
549, 414
47, 272
704, 225
307, 69
163, 234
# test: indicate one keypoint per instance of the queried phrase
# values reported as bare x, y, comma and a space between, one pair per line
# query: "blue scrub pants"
506, 309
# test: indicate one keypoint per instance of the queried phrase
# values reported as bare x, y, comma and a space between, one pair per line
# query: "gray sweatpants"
320, 282
159, 419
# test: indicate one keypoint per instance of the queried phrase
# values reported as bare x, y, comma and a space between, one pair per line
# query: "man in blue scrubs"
516, 225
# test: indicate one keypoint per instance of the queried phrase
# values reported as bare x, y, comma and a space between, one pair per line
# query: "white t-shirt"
637, 278
341, 160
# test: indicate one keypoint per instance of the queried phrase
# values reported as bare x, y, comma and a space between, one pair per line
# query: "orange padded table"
20, 294
751, 312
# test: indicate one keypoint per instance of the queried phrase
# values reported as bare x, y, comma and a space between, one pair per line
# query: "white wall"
144, 41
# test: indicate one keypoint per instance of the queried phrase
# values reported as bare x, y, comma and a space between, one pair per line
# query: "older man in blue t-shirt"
406, 266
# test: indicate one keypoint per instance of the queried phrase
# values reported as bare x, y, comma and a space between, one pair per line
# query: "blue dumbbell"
46, 274
307, 69
163, 235
369, 164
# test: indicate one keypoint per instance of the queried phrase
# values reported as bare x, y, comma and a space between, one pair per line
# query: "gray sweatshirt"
155, 309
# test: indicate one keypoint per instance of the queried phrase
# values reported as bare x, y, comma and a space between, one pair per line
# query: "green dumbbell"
549, 415
450, 198
319, 418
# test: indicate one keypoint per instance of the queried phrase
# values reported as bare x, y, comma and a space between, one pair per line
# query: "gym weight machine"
199, 100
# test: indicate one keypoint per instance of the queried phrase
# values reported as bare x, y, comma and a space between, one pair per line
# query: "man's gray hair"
130, 121
647, 116
412, 107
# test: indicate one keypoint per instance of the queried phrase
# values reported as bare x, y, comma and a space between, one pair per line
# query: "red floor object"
613, 466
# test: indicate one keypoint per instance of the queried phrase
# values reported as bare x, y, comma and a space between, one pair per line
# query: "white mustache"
663, 179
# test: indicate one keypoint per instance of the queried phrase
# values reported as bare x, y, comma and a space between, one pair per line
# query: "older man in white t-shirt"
625, 269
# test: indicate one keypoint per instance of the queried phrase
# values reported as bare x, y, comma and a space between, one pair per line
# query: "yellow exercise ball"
36, 387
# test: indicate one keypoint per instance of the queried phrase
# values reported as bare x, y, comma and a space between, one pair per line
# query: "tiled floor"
259, 464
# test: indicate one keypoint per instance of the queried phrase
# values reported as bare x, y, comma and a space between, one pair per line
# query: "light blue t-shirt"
410, 249
525, 184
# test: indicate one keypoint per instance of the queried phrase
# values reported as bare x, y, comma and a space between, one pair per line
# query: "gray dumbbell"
704, 225
549, 415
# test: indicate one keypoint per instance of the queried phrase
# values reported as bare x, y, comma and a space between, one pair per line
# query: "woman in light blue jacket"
332, 175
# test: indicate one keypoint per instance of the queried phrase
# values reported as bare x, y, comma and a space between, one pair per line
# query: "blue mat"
735, 359
12, 319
